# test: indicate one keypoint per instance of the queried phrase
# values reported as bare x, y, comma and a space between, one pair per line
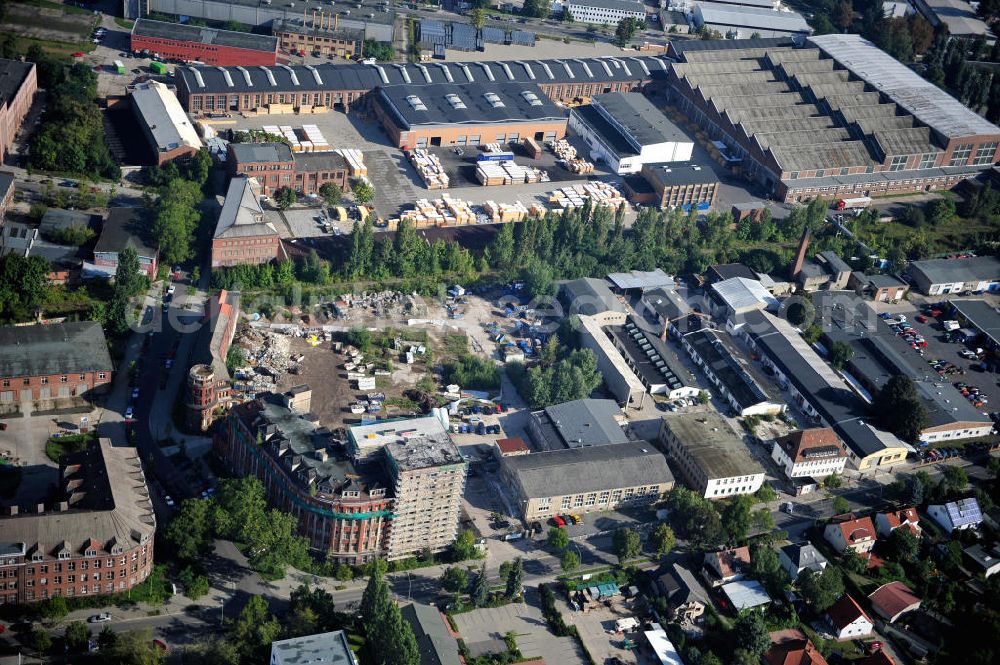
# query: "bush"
472, 373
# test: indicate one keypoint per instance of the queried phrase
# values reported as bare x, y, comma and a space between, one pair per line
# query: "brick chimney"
800, 255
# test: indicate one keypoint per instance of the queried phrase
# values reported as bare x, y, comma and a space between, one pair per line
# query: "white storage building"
737, 22
605, 11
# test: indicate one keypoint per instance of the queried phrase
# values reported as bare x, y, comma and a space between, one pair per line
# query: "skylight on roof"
494, 100
455, 101
416, 103
531, 98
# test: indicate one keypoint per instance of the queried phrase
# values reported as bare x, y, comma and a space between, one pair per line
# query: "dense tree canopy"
897, 408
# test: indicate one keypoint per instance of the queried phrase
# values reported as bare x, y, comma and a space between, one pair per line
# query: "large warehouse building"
236, 89
837, 118
625, 130
168, 130
207, 45
738, 22
447, 114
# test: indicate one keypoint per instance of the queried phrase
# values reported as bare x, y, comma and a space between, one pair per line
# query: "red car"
559, 522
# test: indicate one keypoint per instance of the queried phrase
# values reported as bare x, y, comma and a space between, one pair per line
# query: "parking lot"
525, 620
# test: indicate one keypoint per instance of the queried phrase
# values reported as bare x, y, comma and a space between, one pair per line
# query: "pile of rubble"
267, 359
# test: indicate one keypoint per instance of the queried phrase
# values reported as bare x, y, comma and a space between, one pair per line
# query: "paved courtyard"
533, 636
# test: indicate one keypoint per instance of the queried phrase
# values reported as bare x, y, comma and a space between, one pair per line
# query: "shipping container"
119, 67
156, 67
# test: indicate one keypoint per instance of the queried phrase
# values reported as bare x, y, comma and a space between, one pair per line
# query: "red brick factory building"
94, 538
18, 84
57, 365
189, 43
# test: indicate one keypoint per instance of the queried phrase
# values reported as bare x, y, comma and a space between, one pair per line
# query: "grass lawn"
957, 234
69, 9
124, 23
57, 448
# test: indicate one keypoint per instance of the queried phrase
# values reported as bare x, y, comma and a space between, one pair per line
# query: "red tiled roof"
908, 516
731, 562
512, 445
797, 444
845, 611
889, 600
792, 647
856, 530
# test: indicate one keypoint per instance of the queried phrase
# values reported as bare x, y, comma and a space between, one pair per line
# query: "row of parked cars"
562, 520
973, 394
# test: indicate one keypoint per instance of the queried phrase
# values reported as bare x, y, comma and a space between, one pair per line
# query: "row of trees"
405, 255
177, 214
948, 65
71, 138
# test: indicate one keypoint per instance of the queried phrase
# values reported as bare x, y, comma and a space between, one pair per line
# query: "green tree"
898, 409
569, 561
195, 585
363, 192
390, 639
841, 353
255, 627
626, 544
841, 505
77, 636
821, 589
481, 588
853, 562
464, 546
905, 544
736, 519
954, 479
626, 30
843, 15
762, 520
477, 17
136, 648
41, 641
54, 608
515, 579
558, 538
332, 193
188, 531
766, 493
107, 638
662, 539
750, 633
455, 579
285, 198
833, 481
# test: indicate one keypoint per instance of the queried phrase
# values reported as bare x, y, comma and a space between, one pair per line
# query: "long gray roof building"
145, 27
73, 347
577, 470
576, 424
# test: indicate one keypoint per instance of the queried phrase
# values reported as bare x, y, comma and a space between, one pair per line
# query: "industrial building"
879, 355
209, 385
167, 128
838, 117
242, 235
590, 479
343, 509
734, 21
452, 114
99, 519
274, 165
957, 16
366, 15
712, 458
737, 296
673, 185
18, 85
935, 277
619, 378
732, 379
827, 271
578, 424
204, 90
57, 365
327, 39
650, 360
590, 296
818, 391
209, 46
625, 130
980, 317
880, 288
603, 12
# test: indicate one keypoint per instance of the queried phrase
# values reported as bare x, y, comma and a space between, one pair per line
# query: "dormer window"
37, 556
64, 555
90, 552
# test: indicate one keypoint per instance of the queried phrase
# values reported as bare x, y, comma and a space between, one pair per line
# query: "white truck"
856, 203
951, 325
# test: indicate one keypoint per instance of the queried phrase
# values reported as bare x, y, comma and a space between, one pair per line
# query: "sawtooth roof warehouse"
837, 117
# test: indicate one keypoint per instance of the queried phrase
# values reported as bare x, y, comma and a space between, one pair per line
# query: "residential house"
686, 598
848, 532
985, 559
957, 515
810, 453
893, 600
792, 647
726, 565
886, 523
799, 557
848, 620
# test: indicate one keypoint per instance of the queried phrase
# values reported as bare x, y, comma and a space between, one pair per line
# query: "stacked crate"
601, 194
316, 138
355, 162
505, 212
429, 168
508, 173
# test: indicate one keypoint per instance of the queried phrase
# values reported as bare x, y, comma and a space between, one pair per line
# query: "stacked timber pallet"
355, 162
429, 168
508, 173
600, 194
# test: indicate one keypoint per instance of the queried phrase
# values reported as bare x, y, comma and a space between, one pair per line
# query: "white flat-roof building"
605, 11
626, 130
957, 15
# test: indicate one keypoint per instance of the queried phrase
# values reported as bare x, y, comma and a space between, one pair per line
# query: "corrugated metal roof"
929, 103
750, 17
